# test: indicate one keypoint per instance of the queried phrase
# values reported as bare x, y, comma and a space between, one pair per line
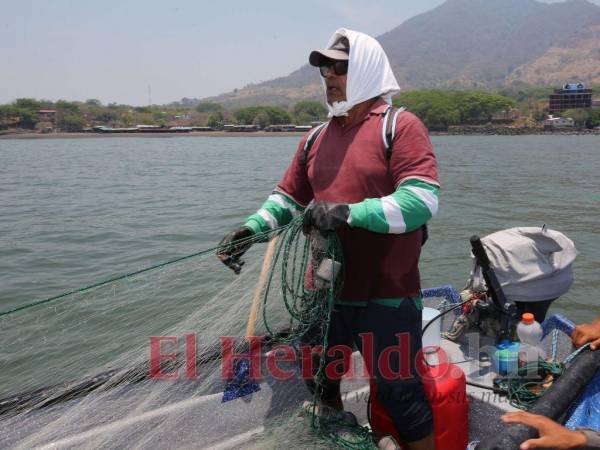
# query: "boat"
141, 129
106, 130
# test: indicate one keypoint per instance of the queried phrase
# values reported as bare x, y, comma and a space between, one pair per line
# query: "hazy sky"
114, 49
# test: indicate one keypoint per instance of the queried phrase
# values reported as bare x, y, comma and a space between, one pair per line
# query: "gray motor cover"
531, 263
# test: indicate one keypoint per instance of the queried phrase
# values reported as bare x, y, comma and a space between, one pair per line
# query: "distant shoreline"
149, 135
461, 132
511, 131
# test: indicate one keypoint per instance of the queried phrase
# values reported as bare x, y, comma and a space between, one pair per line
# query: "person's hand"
553, 436
587, 332
325, 217
231, 249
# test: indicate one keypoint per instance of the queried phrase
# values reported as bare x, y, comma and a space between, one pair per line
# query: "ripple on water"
76, 211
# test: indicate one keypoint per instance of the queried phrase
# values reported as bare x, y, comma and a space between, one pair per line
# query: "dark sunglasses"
339, 68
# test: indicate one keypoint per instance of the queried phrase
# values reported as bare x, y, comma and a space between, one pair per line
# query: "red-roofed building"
47, 114
46, 120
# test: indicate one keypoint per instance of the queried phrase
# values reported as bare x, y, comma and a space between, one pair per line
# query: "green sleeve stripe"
358, 215
415, 211
292, 208
407, 209
420, 183
277, 211
274, 214
257, 224
418, 201
271, 220
289, 202
369, 214
393, 215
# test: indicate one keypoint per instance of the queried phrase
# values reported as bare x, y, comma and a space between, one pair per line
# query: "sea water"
74, 211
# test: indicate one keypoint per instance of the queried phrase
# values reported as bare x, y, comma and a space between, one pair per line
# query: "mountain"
469, 44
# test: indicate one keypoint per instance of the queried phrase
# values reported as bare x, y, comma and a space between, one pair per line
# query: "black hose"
555, 402
483, 386
442, 314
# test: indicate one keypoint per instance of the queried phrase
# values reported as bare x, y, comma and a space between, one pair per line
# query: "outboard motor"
516, 270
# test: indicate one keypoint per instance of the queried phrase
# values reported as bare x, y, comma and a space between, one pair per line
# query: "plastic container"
326, 273
530, 334
432, 337
506, 358
446, 388
529, 331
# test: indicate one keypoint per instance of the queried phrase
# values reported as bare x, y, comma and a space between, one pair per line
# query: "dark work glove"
326, 217
232, 250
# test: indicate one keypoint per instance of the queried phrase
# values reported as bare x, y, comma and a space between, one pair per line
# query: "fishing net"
88, 379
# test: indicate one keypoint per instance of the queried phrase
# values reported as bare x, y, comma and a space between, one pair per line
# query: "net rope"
309, 310
78, 361
259, 237
74, 370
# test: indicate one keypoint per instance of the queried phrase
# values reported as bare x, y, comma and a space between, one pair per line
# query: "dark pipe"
553, 404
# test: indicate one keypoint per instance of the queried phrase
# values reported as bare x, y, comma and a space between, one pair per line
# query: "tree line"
28, 114
584, 118
438, 109
303, 113
441, 109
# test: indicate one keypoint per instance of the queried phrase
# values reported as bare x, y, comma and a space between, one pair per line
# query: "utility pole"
149, 96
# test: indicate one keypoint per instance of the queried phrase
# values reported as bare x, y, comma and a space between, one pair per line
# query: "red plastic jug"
446, 388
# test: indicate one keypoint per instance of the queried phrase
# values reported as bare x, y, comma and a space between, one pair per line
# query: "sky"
137, 51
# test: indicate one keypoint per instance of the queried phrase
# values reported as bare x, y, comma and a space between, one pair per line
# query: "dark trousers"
389, 339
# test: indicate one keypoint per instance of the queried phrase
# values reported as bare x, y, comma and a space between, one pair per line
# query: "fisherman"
554, 436
377, 198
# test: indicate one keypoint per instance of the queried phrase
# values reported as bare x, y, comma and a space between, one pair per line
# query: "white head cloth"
369, 72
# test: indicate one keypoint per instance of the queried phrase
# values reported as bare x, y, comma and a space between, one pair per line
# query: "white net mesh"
95, 391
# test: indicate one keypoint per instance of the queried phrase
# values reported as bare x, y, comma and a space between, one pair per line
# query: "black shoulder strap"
390, 118
310, 140
389, 133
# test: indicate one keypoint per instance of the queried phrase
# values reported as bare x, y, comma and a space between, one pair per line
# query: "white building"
558, 122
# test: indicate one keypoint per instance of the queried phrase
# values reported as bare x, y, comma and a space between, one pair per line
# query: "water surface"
76, 211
